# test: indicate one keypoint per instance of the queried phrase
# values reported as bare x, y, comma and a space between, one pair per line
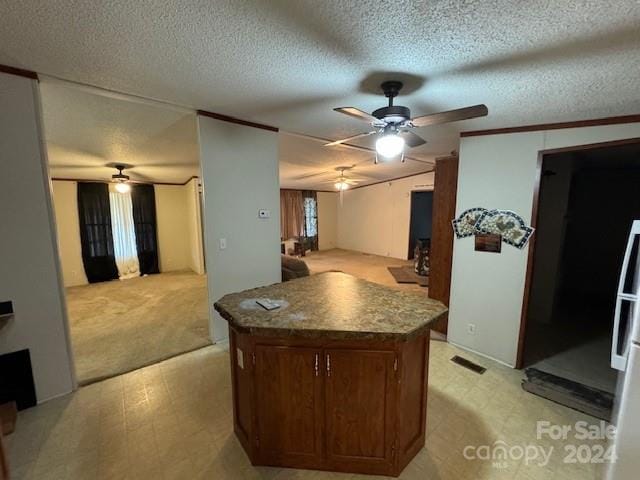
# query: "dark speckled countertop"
332, 305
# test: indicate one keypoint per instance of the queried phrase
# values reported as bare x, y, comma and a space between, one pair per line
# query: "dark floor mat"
591, 401
408, 275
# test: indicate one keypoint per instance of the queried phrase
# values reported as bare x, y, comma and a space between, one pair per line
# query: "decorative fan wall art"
509, 225
466, 223
506, 223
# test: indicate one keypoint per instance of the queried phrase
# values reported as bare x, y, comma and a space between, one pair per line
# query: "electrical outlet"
471, 329
264, 214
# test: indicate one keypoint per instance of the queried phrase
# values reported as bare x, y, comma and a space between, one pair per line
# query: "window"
310, 217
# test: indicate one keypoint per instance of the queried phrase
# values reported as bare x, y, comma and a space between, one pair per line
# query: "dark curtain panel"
95, 232
143, 200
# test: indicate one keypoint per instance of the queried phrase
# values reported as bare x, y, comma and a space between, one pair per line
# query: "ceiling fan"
121, 180
343, 182
393, 123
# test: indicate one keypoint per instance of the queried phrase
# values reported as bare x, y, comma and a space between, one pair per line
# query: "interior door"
359, 408
288, 403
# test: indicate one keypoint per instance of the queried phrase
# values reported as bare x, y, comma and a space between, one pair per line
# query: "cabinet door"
288, 405
359, 409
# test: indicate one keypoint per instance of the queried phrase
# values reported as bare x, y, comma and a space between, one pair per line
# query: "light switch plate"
264, 214
223, 243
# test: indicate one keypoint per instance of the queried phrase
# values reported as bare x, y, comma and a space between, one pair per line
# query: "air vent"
468, 364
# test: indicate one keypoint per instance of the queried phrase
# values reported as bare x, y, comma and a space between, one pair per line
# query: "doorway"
420, 219
586, 205
127, 198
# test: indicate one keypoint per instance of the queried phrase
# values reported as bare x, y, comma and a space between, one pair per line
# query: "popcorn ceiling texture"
289, 63
85, 132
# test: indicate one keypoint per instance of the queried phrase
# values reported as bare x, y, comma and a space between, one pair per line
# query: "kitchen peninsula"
333, 379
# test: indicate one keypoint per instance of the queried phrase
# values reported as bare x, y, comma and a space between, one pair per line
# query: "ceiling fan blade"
57, 165
311, 175
411, 139
357, 113
338, 142
450, 116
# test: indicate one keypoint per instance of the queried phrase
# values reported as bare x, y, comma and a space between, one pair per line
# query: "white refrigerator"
625, 357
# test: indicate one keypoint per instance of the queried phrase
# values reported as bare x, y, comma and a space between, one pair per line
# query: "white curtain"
124, 235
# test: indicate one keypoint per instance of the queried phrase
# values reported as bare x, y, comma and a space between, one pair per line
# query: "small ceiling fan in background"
120, 179
393, 123
95, 171
343, 182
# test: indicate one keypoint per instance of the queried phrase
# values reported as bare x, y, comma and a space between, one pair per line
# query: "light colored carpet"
361, 265
120, 326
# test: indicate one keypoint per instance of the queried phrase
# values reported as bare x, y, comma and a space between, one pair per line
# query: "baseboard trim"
484, 355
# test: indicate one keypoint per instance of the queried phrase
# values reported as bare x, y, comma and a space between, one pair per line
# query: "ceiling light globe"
123, 187
390, 146
341, 185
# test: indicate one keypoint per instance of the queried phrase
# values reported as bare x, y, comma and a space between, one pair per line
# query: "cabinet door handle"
316, 366
328, 365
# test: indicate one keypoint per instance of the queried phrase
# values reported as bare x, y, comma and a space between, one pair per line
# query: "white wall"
327, 220
65, 201
375, 219
240, 176
30, 273
173, 227
498, 171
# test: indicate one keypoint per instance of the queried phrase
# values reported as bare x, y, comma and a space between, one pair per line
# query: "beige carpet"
120, 326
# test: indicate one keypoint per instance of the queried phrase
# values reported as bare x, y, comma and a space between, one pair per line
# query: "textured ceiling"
289, 63
86, 131
305, 164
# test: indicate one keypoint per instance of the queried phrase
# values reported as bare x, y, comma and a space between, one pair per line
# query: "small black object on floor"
591, 401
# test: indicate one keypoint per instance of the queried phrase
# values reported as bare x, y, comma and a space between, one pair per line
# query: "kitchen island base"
346, 405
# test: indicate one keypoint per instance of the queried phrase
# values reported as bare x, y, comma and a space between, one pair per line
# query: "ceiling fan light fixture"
390, 145
122, 187
341, 186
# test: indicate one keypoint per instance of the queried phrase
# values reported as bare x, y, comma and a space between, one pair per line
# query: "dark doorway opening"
587, 202
420, 222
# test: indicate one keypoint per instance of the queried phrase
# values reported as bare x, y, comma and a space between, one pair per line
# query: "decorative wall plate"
509, 224
466, 223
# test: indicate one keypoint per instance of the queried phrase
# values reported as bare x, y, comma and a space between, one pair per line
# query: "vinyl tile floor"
173, 420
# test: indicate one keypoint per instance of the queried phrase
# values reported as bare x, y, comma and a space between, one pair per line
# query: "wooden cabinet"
4, 467
330, 405
359, 399
289, 405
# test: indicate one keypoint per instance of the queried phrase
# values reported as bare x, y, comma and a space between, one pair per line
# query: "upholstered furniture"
293, 267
